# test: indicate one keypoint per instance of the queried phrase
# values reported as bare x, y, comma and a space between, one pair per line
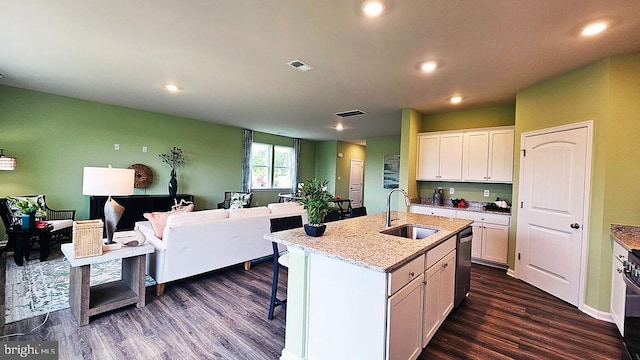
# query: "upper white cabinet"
440, 156
478, 155
488, 155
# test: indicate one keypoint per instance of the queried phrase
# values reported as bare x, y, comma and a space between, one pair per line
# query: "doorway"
555, 173
355, 182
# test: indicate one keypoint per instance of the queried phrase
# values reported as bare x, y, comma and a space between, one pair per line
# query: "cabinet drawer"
402, 276
619, 252
434, 255
484, 217
436, 211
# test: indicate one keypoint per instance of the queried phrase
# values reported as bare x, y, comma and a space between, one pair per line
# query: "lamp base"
112, 214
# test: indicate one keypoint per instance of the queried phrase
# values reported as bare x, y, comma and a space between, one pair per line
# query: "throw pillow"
19, 205
239, 200
158, 220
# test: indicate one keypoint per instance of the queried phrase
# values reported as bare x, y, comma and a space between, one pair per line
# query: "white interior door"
553, 192
355, 182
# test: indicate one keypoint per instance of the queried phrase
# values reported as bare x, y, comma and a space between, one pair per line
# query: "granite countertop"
626, 235
359, 241
473, 206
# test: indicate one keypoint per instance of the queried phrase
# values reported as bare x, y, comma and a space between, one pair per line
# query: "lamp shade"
107, 181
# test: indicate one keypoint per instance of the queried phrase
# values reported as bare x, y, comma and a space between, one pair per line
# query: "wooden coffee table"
86, 301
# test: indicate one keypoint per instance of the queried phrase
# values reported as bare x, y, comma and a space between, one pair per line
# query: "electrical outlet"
116, 146
452, 191
486, 193
144, 149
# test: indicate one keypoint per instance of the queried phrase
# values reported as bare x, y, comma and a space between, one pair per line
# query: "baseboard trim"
511, 273
596, 314
287, 355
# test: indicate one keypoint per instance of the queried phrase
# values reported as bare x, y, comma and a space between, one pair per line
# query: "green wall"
343, 166
470, 119
54, 137
377, 147
606, 92
467, 191
325, 161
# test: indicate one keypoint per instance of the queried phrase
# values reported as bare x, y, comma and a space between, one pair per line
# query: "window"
271, 166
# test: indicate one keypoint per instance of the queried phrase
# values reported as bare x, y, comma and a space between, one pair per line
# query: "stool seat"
283, 260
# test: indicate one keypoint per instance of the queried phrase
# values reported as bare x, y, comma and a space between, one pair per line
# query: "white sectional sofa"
193, 243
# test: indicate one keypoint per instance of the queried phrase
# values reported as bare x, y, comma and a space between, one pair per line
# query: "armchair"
233, 200
60, 227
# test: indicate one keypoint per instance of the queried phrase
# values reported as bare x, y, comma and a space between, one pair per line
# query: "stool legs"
274, 285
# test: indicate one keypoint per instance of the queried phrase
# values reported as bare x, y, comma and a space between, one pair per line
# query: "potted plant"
174, 159
28, 208
317, 201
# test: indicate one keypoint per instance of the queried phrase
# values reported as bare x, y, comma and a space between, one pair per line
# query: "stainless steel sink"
410, 231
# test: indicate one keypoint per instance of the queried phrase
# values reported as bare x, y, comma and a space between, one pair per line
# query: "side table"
20, 239
86, 301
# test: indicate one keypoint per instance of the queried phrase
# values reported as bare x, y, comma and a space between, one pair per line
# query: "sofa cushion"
197, 217
247, 212
158, 220
285, 207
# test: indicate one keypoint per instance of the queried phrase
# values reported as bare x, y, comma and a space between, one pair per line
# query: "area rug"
40, 287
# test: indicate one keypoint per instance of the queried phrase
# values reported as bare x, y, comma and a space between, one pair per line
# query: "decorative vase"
28, 221
173, 184
315, 230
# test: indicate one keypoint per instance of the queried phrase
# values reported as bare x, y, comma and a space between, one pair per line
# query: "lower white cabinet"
404, 321
618, 287
436, 211
439, 289
490, 235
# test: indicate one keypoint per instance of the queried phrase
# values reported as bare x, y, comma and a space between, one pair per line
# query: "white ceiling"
230, 56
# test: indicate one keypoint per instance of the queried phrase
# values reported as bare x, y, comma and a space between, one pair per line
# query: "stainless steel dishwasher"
463, 265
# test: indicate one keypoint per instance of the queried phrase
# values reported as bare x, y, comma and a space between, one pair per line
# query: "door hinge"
518, 256
524, 152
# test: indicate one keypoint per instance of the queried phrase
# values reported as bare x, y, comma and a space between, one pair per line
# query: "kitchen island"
356, 293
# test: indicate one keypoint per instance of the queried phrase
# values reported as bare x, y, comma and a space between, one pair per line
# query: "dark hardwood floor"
222, 315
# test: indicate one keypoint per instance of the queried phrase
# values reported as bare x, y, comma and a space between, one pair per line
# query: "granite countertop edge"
626, 235
474, 208
368, 239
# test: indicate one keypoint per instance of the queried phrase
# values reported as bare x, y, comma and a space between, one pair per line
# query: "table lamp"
108, 182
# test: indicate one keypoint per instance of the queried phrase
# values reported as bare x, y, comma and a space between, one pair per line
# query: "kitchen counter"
359, 241
626, 235
473, 206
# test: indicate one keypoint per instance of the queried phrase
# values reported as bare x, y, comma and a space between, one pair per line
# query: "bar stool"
280, 224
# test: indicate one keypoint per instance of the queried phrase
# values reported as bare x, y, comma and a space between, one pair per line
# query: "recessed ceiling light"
339, 127
172, 88
455, 99
428, 66
373, 8
594, 29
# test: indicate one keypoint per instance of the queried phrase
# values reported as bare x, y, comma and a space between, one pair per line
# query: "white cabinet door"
475, 157
439, 291
500, 165
495, 242
428, 157
431, 312
451, 156
618, 287
476, 242
404, 322
447, 285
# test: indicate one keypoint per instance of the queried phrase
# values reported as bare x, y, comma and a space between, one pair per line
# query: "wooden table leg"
79, 293
133, 274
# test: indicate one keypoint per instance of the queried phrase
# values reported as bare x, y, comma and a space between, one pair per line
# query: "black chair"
280, 260
359, 211
13, 228
333, 215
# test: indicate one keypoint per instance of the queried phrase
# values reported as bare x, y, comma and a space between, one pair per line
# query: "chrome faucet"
406, 201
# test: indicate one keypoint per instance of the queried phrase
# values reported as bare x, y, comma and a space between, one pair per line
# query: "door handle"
575, 226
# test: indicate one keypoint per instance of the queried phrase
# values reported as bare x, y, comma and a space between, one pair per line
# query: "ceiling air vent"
350, 113
299, 65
